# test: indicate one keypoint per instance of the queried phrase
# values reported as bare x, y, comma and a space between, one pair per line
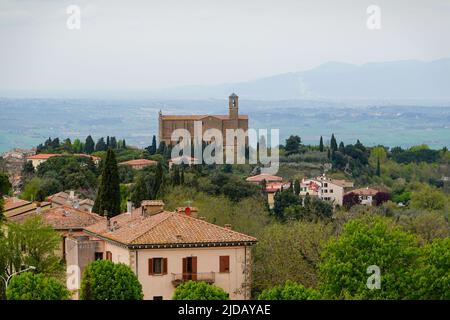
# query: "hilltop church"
169, 123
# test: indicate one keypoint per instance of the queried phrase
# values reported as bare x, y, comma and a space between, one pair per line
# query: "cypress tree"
378, 173
297, 187
101, 145
328, 154
176, 176
89, 145
182, 176
341, 148
321, 144
153, 148
108, 193
333, 143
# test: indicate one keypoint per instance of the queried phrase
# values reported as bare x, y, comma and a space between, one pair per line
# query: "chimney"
152, 207
189, 211
202, 218
71, 195
129, 206
228, 226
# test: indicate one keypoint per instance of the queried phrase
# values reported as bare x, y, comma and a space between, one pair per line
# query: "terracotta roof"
43, 156
139, 162
164, 228
17, 212
276, 186
264, 176
364, 191
65, 217
199, 117
182, 159
13, 202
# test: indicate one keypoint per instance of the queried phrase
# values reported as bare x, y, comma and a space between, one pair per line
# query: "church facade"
169, 123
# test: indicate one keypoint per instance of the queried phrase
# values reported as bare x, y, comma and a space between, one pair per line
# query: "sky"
150, 44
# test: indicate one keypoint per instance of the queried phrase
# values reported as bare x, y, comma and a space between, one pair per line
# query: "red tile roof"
364, 191
65, 218
264, 176
199, 117
43, 156
164, 228
13, 202
139, 162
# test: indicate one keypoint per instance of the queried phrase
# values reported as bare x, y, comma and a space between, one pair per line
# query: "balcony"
179, 278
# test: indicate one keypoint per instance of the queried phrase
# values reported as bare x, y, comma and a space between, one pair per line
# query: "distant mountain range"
409, 80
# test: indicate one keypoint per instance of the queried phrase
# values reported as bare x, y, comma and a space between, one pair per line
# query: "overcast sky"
149, 44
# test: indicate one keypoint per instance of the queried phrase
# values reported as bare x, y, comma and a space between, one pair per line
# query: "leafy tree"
321, 144
292, 145
176, 180
428, 198
381, 197
29, 286
89, 145
199, 290
108, 193
363, 243
105, 280
434, 277
30, 243
77, 146
5, 185
295, 246
289, 291
350, 199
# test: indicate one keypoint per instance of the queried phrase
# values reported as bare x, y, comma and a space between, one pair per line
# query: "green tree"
77, 146
5, 185
333, 143
89, 145
378, 171
297, 187
199, 290
105, 280
292, 145
289, 291
428, 198
363, 243
29, 286
434, 277
108, 193
101, 145
321, 144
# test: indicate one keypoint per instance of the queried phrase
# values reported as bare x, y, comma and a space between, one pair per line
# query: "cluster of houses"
322, 187
163, 248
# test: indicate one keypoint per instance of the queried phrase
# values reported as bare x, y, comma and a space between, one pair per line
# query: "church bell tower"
233, 105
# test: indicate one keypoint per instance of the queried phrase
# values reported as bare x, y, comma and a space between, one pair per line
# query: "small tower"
233, 105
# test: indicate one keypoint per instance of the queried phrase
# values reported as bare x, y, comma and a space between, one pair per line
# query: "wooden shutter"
194, 268
164, 266
150, 267
184, 268
224, 264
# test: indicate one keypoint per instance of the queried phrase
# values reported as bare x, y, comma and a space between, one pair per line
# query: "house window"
157, 297
109, 255
157, 266
98, 256
224, 264
325, 185
331, 190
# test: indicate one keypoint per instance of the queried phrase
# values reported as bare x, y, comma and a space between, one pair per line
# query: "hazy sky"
149, 44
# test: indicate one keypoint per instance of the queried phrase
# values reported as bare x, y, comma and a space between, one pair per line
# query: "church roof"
199, 117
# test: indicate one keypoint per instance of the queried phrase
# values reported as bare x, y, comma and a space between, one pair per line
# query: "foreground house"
39, 158
258, 179
325, 188
165, 249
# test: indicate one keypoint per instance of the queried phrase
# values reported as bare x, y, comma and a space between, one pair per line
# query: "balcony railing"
179, 278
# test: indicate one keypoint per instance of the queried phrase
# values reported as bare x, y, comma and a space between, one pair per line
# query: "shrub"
105, 280
199, 290
29, 286
289, 291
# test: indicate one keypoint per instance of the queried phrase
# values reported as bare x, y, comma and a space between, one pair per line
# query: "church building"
169, 123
